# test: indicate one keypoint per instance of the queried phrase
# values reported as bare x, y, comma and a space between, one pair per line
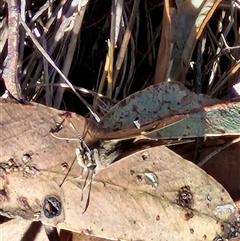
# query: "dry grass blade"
225, 78
125, 41
44, 53
77, 22
165, 48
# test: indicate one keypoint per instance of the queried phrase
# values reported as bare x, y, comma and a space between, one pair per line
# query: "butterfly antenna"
89, 193
85, 184
67, 172
83, 146
80, 137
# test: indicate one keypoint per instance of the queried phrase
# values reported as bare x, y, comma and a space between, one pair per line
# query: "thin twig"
83, 90
11, 69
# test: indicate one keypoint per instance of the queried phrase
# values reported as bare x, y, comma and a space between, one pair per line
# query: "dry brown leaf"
164, 47
225, 168
30, 155
135, 198
188, 19
19, 119
126, 205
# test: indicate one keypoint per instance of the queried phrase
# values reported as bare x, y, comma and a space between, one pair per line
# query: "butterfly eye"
91, 166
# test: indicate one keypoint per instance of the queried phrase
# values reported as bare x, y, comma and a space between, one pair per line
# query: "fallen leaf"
225, 168
141, 195
31, 156
187, 20
18, 119
164, 47
133, 199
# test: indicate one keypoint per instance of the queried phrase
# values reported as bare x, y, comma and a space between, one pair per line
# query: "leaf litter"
143, 194
33, 158
133, 184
